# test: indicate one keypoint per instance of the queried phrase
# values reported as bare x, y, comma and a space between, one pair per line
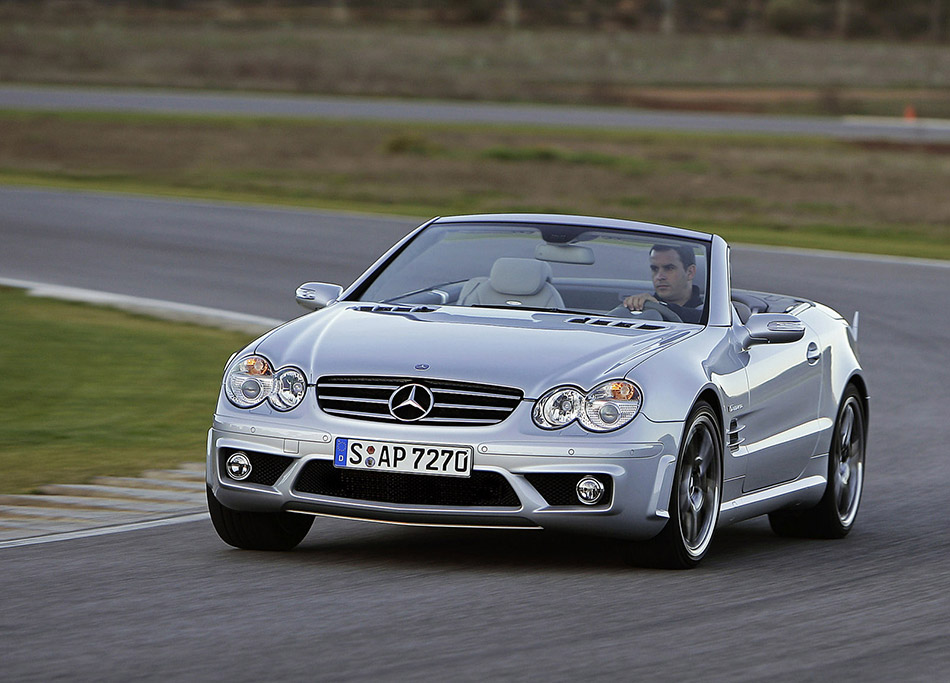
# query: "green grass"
628, 165
876, 197
93, 391
308, 53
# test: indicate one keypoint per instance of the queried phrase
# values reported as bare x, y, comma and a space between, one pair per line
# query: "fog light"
239, 466
589, 490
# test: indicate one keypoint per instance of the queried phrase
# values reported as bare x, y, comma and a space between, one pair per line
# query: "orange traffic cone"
910, 114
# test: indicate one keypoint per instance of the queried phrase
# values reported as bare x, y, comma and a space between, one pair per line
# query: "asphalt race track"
360, 601
49, 98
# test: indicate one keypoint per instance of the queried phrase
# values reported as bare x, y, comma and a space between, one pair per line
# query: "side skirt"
799, 493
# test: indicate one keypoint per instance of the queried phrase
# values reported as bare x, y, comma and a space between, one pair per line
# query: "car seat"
513, 282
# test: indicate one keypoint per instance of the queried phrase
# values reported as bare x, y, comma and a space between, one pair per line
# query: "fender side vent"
735, 440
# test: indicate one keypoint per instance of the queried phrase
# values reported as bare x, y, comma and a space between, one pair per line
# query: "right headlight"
252, 380
604, 408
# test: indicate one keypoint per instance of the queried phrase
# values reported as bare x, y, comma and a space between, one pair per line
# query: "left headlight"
252, 380
606, 407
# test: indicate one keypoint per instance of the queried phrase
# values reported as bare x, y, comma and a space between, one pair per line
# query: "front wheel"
834, 515
257, 530
696, 495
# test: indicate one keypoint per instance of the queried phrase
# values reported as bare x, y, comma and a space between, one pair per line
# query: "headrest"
519, 276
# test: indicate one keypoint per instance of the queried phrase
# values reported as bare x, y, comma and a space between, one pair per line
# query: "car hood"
529, 350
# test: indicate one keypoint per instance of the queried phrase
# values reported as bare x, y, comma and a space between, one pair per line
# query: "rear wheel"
257, 530
696, 495
834, 515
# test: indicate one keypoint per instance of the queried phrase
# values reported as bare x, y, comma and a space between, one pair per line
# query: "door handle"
813, 354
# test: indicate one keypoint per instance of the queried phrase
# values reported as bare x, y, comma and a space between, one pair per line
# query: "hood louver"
383, 308
615, 323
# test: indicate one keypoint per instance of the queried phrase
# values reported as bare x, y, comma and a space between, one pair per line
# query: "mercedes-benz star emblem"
411, 402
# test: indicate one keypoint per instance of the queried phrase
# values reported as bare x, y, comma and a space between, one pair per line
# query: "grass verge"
843, 195
93, 391
273, 51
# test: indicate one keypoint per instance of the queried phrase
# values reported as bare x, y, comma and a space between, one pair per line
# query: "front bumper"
512, 472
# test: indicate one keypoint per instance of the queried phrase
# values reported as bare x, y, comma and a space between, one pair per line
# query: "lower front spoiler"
384, 515
611, 522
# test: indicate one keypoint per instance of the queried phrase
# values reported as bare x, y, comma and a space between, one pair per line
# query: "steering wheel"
665, 312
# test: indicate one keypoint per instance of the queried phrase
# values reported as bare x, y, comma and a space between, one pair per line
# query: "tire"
258, 530
696, 495
835, 514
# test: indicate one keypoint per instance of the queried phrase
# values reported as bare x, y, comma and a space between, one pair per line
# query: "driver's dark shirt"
691, 311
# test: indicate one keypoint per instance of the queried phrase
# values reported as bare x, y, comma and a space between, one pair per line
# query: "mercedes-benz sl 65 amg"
544, 372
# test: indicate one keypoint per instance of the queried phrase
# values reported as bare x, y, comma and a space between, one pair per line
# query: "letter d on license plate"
410, 458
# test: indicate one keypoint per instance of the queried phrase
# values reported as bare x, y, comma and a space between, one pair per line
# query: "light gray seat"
513, 282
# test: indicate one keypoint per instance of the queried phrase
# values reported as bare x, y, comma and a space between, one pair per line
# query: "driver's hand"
635, 302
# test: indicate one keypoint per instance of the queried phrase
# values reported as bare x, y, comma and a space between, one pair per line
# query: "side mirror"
771, 328
314, 295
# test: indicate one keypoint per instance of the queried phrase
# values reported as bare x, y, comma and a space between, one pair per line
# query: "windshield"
543, 267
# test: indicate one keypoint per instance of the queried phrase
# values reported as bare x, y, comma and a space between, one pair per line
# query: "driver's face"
672, 282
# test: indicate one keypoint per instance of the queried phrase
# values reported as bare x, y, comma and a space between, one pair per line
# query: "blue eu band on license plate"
409, 458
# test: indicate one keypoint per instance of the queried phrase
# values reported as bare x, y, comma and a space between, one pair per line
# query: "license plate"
411, 458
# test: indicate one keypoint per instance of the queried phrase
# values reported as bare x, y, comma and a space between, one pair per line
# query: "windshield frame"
554, 232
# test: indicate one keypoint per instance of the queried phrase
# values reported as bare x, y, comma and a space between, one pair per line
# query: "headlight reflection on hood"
251, 381
606, 407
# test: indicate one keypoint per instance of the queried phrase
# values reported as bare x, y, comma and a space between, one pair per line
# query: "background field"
864, 195
270, 49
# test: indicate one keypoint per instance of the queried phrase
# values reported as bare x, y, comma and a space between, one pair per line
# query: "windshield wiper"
539, 309
435, 289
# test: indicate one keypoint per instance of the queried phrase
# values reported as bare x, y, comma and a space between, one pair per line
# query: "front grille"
457, 404
266, 468
560, 489
482, 489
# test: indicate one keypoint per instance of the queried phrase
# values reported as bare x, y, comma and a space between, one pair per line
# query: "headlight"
252, 380
289, 387
606, 407
610, 406
558, 408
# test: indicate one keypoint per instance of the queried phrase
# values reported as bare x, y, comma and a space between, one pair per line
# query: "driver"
673, 270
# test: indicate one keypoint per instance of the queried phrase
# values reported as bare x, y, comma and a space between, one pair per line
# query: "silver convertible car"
544, 372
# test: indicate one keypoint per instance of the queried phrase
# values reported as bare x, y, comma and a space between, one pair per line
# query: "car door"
781, 427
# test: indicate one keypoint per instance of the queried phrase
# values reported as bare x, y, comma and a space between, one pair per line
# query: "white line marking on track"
103, 531
165, 309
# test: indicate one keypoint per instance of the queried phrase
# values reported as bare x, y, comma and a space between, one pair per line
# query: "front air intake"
482, 489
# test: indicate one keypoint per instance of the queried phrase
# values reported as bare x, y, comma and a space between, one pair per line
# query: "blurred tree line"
891, 19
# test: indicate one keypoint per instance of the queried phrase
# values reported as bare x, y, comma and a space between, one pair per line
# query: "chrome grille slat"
455, 403
355, 399
466, 420
390, 387
462, 392
355, 413
458, 406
